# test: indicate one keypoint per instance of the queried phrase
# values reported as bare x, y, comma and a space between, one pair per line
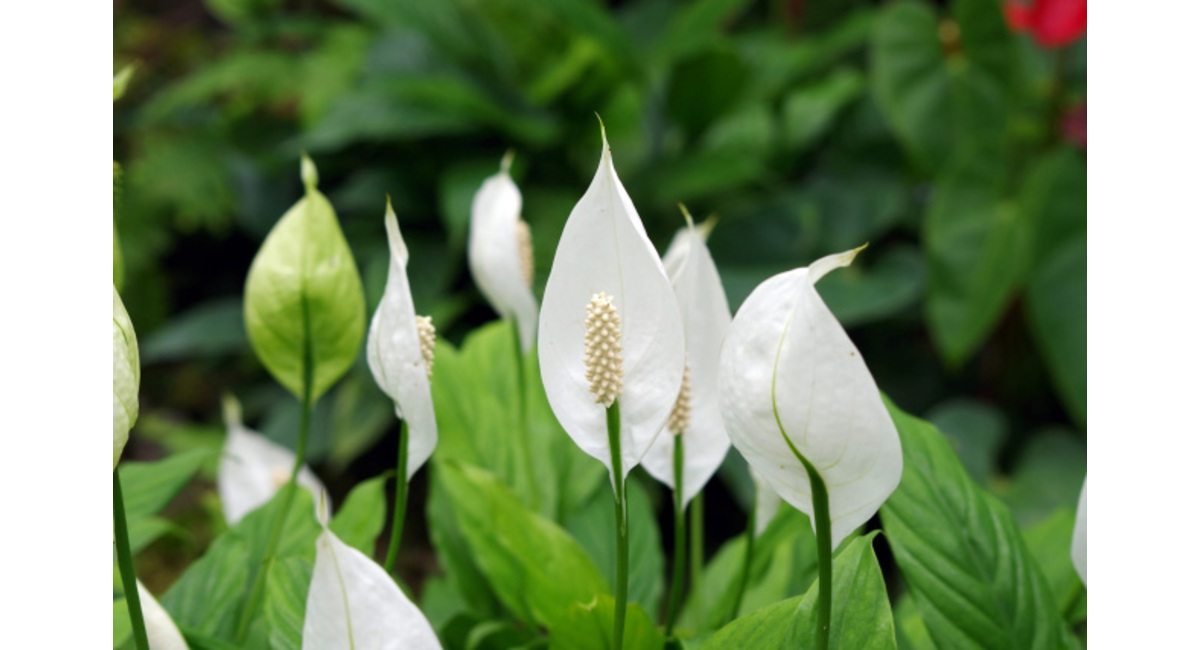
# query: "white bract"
605, 258
127, 375
766, 503
354, 604
791, 379
697, 416
1079, 538
500, 253
161, 631
253, 468
400, 352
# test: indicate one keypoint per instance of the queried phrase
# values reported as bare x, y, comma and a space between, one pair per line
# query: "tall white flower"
793, 384
161, 631
127, 375
697, 414
500, 253
400, 352
1079, 538
610, 328
253, 468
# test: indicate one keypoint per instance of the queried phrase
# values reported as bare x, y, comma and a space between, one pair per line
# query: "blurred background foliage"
931, 130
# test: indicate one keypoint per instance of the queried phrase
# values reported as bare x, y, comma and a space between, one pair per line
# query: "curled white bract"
127, 376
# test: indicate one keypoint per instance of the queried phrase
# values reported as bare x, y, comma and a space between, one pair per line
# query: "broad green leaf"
589, 626
283, 605
209, 330
149, 487
121, 81
457, 560
537, 570
961, 553
1050, 543
910, 629
1057, 301
595, 528
361, 516
304, 302
861, 617
1047, 476
976, 430
809, 111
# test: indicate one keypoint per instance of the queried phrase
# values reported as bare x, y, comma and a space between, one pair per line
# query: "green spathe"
304, 303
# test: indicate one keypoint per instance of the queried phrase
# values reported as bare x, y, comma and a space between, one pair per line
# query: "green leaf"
809, 111
862, 616
455, 556
589, 626
1049, 473
961, 553
361, 517
118, 260
304, 302
865, 294
121, 81
1058, 317
149, 487
285, 600
1050, 544
208, 330
537, 570
976, 430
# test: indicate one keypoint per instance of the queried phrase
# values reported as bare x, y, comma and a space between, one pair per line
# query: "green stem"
523, 422
820, 499
622, 525
401, 500
680, 540
747, 560
696, 556
125, 563
289, 493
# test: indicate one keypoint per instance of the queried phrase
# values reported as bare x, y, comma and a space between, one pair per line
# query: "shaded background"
949, 138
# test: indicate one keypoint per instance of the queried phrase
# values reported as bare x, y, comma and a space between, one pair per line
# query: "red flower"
1054, 23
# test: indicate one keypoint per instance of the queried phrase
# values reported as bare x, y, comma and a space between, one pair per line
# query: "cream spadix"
253, 468
697, 414
400, 352
604, 255
500, 253
127, 375
792, 383
1079, 537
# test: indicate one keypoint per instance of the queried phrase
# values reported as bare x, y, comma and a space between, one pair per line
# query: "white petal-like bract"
766, 503
354, 604
253, 468
127, 375
498, 257
161, 631
604, 250
394, 353
790, 372
705, 314
1079, 538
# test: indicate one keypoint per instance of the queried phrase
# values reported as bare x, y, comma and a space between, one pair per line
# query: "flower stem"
696, 556
401, 500
680, 540
747, 561
125, 563
820, 499
289, 493
523, 437
622, 520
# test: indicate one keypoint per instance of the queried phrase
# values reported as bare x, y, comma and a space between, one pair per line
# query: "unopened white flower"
1079, 538
161, 631
253, 468
353, 603
604, 254
792, 383
400, 352
697, 414
500, 253
127, 375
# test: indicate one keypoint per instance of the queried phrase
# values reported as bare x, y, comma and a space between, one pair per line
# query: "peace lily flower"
766, 503
610, 328
353, 603
253, 468
161, 631
500, 252
1079, 538
126, 376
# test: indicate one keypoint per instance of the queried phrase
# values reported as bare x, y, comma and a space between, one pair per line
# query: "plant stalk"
680, 540
747, 562
696, 555
401, 504
622, 525
820, 499
125, 563
523, 421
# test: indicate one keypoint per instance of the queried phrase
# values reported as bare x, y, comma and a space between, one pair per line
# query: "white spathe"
161, 631
766, 503
604, 249
1079, 538
789, 371
354, 604
127, 375
394, 353
253, 468
704, 310
494, 253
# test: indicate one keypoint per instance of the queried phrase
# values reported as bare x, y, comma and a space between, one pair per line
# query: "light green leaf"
537, 570
283, 605
361, 517
976, 430
589, 626
304, 303
1050, 543
149, 487
121, 80
1047, 476
961, 553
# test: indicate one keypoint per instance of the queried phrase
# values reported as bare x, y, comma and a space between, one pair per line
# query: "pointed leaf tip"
821, 267
308, 172
507, 160
687, 216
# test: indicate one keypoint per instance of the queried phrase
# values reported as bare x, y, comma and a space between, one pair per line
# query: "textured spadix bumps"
604, 249
697, 412
127, 375
791, 378
400, 352
500, 253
